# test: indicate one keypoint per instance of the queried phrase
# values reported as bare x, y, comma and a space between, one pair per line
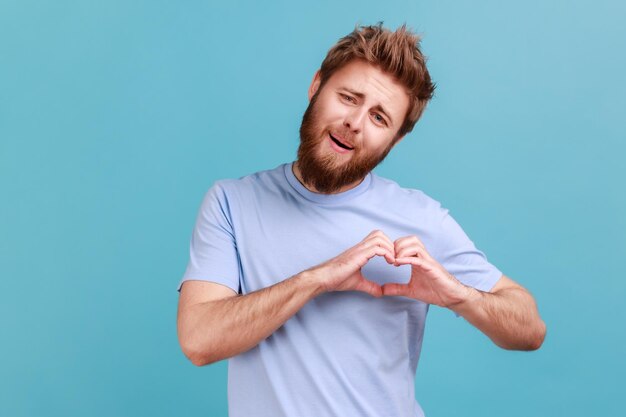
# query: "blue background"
117, 116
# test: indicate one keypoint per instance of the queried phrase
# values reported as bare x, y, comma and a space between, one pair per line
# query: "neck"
296, 172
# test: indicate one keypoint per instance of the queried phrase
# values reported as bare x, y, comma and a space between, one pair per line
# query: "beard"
325, 172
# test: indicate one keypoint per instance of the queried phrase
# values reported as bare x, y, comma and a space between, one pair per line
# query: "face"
350, 126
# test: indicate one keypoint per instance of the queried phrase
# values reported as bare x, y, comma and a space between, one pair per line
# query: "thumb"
369, 287
395, 289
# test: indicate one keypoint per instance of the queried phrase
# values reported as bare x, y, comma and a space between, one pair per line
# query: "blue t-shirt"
344, 353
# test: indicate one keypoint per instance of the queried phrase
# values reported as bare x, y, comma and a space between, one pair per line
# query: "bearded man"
315, 278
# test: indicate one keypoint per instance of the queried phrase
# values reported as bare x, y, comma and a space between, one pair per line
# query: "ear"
315, 84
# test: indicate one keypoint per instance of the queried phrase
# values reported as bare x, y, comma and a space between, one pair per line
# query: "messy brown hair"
397, 53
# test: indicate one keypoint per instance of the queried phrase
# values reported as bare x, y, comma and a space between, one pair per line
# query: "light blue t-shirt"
344, 353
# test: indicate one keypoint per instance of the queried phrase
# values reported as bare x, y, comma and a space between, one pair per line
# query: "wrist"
311, 282
470, 297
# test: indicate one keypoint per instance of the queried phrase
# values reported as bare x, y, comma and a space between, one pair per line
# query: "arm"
214, 323
507, 315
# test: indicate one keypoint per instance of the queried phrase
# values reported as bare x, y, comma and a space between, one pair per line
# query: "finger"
373, 250
375, 232
413, 250
411, 260
395, 289
383, 243
402, 246
369, 287
419, 241
379, 234
405, 241
381, 240
359, 256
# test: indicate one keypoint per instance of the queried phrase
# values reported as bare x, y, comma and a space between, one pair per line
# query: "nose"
354, 120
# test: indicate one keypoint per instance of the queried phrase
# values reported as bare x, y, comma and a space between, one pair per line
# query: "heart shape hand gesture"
429, 282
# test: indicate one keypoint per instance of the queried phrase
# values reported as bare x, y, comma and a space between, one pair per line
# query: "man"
315, 277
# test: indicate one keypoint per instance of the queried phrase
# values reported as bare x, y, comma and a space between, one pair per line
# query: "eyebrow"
378, 107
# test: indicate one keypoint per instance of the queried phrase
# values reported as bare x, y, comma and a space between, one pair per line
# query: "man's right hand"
215, 323
343, 272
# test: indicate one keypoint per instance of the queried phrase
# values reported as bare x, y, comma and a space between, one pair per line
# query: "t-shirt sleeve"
458, 254
213, 249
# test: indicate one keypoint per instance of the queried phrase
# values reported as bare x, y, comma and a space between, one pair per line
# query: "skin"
361, 106
215, 323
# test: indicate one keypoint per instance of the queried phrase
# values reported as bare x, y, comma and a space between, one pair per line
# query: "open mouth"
341, 145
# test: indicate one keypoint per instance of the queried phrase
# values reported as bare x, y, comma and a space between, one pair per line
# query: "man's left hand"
430, 282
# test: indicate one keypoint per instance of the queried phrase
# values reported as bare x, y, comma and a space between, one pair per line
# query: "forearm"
509, 317
223, 328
